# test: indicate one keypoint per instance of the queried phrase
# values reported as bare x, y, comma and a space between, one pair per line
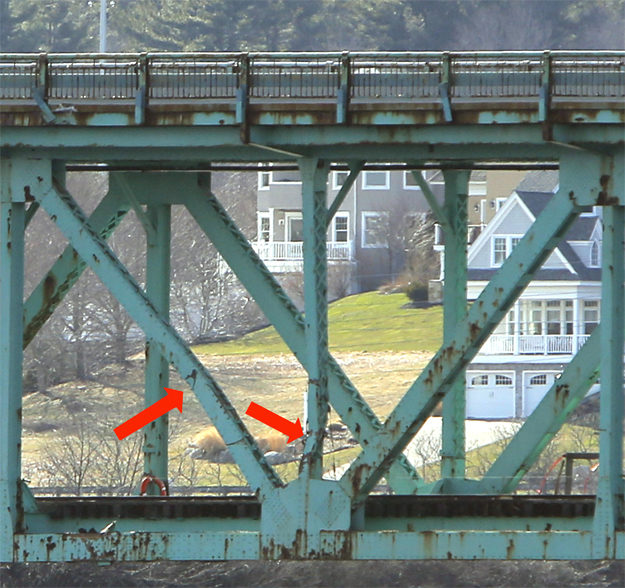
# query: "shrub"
417, 292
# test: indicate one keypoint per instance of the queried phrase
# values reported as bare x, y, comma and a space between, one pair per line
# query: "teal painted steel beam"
314, 175
119, 182
516, 142
437, 210
334, 545
609, 510
439, 375
546, 420
14, 184
354, 170
455, 310
288, 321
69, 218
51, 290
156, 434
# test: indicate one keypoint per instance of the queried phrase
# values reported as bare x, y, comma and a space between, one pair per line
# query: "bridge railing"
317, 76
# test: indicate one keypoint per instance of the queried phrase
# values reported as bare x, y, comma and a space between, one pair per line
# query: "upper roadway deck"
289, 100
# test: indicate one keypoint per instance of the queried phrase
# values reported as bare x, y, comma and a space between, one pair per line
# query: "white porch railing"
292, 250
533, 344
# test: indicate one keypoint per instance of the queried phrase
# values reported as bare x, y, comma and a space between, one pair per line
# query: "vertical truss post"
609, 507
455, 309
314, 215
157, 366
289, 322
17, 178
70, 219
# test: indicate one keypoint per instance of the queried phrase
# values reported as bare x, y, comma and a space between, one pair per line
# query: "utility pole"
103, 26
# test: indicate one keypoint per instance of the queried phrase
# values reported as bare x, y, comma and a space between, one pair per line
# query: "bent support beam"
314, 212
70, 219
439, 375
288, 321
546, 419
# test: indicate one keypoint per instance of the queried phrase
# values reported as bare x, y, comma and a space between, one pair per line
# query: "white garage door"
490, 395
535, 386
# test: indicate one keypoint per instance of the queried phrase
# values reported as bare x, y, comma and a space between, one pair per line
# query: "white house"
549, 323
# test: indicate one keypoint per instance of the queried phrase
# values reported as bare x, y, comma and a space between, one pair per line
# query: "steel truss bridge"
158, 122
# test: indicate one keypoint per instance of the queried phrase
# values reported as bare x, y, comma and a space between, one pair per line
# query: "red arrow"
275, 421
151, 413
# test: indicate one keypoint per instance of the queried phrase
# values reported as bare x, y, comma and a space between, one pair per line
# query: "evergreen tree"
54, 25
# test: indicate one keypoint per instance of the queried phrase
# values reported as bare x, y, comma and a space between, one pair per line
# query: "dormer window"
502, 246
595, 254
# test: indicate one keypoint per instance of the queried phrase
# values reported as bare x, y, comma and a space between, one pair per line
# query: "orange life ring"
146, 482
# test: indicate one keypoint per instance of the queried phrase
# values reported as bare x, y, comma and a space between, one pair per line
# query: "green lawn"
364, 322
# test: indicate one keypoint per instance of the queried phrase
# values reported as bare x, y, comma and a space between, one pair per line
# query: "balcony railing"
292, 250
533, 344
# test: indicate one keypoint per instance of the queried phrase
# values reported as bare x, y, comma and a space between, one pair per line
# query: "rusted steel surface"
376, 506
312, 88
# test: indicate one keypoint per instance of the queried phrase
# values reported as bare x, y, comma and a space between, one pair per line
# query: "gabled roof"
582, 230
539, 181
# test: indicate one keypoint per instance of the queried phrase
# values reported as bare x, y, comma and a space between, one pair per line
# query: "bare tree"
89, 454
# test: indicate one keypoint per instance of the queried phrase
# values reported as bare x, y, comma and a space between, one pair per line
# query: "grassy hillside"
363, 323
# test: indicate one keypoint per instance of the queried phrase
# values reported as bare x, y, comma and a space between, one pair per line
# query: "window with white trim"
591, 315
376, 180
338, 179
502, 246
264, 228
340, 230
501, 380
286, 177
409, 181
264, 179
375, 229
481, 380
500, 250
595, 255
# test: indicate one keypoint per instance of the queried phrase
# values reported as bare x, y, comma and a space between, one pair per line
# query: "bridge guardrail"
371, 76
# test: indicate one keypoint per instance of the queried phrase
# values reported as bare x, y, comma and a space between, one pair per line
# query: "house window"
595, 255
500, 250
501, 380
480, 380
376, 180
591, 315
375, 229
295, 228
341, 229
499, 202
538, 380
409, 181
511, 322
568, 316
286, 177
502, 246
264, 179
264, 228
553, 317
536, 318
338, 179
